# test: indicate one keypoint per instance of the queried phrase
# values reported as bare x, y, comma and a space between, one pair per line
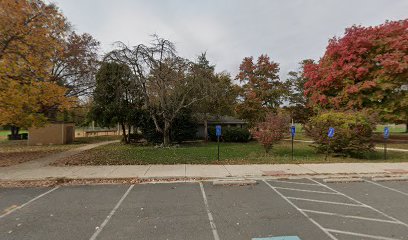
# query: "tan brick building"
52, 133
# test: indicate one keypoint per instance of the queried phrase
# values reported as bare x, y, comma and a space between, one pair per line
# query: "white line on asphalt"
368, 206
210, 217
360, 235
392, 189
302, 212
329, 202
299, 183
27, 203
99, 230
303, 190
350, 216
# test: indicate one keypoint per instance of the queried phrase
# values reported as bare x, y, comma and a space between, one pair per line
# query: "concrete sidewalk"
201, 171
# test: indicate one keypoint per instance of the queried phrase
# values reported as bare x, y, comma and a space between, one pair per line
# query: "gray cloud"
229, 30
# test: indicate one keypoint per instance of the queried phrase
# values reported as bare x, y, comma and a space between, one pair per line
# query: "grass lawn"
15, 152
202, 153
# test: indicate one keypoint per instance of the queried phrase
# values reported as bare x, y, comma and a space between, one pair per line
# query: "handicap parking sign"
218, 130
330, 134
386, 132
293, 130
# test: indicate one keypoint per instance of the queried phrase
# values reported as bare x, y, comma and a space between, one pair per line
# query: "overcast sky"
229, 30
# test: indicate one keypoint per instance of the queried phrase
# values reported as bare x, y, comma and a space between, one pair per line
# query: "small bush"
353, 132
230, 134
271, 130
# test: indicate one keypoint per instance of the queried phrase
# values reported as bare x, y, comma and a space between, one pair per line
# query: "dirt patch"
90, 181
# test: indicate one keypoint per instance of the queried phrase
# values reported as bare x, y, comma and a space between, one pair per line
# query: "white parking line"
302, 212
329, 202
303, 190
210, 217
299, 183
361, 235
27, 203
350, 216
99, 230
392, 189
368, 206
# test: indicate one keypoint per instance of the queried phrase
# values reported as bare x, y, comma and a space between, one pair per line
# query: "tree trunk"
128, 136
406, 125
166, 133
206, 130
14, 130
124, 139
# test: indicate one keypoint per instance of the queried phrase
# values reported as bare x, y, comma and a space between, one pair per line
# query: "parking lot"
306, 208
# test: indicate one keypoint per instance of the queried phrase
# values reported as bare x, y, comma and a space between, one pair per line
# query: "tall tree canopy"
221, 93
298, 107
367, 68
262, 91
168, 82
117, 97
44, 65
30, 34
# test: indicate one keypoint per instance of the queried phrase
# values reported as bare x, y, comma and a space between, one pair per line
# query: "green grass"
393, 128
206, 153
4, 133
96, 139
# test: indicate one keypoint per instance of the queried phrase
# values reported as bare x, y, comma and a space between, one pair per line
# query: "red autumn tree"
271, 130
367, 68
261, 90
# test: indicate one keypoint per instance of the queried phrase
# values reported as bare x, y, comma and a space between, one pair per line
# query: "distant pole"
327, 150
386, 135
218, 134
385, 148
293, 135
218, 140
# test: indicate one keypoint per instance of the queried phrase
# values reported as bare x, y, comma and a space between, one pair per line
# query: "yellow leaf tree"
31, 32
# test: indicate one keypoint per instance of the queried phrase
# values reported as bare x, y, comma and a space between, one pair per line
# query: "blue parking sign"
293, 130
330, 134
218, 130
386, 132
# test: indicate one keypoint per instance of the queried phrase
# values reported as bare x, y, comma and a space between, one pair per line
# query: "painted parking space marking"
368, 206
210, 217
361, 235
302, 212
100, 228
298, 183
310, 214
279, 238
329, 202
389, 188
351, 216
29, 202
303, 190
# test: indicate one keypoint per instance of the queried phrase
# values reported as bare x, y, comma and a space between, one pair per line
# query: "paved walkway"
40, 169
205, 171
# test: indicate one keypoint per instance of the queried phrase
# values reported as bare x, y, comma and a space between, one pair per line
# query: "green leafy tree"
298, 107
221, 93
117, 98
353, 132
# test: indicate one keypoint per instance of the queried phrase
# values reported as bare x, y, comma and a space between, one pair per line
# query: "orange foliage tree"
31, 32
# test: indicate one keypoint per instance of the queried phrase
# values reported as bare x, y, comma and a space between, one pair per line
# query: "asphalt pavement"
271, 209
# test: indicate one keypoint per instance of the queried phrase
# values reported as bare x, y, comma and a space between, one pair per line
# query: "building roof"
225, 120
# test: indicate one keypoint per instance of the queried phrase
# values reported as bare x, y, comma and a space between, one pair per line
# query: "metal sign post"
330, 134
218, 134
293, 132
386, 135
